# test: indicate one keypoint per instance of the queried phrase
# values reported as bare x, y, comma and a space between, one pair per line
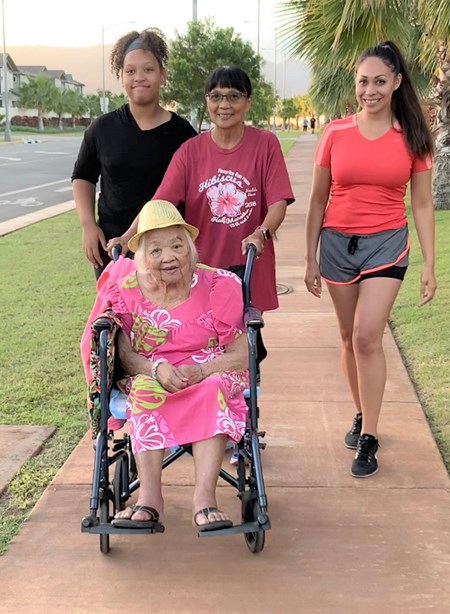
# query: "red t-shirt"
368, 177
226, 193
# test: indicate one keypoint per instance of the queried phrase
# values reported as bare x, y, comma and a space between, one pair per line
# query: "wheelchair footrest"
247, 527
108, 529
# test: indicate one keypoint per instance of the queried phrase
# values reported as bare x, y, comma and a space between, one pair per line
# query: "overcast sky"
78, 23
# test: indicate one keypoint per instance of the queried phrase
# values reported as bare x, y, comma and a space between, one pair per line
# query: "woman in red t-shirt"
362, 166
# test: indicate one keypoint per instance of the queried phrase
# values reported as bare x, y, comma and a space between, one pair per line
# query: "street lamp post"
103, 105
274, 125
258, 27
194, 20
7, 135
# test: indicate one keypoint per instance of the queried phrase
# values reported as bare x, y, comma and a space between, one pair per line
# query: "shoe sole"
369, 475
350, 447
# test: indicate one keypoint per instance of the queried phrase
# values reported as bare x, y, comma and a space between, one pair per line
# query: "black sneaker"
365, 462
351, 438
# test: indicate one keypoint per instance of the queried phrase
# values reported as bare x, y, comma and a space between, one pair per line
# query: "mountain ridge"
85, 65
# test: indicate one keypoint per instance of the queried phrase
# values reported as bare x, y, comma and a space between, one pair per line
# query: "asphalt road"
35, 173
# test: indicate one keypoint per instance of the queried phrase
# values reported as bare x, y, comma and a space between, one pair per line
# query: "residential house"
18, 75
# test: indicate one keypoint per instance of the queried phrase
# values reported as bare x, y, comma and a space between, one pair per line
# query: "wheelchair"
115, 476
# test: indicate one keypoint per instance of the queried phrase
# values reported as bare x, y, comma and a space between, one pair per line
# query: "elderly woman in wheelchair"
182, 346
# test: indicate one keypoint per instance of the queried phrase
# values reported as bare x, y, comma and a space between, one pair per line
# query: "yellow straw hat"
159, 214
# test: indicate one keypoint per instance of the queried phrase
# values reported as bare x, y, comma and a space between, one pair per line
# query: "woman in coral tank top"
362, 166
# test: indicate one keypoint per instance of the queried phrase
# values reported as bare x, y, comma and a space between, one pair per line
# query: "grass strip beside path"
47, 290
423, 334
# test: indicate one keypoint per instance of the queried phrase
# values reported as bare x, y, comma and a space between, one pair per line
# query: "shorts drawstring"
353, 244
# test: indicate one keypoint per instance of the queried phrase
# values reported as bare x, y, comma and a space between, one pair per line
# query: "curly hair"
151, 39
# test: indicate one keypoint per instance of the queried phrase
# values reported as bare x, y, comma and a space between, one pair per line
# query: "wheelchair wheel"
120, 470
104, 518
255, 541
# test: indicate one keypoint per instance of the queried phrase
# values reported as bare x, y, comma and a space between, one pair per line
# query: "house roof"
9, 62
32, 70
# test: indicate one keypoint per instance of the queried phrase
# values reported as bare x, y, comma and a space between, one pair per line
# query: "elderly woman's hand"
171, 378
193, 373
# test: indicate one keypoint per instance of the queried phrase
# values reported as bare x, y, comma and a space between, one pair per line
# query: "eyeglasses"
231, 97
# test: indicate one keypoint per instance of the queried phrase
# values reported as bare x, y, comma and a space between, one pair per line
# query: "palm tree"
435, 45
117, 100
330, 35
288, 110
76, 105
60, 105
93, 105
40, 93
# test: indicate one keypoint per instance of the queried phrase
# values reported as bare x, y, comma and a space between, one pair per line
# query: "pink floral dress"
193, 332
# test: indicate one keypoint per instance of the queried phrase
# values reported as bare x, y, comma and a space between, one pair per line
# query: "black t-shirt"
129, 161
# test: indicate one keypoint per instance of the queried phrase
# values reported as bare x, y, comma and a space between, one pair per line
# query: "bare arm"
272, 221
173, 378
84, 196
320, 192
423, 213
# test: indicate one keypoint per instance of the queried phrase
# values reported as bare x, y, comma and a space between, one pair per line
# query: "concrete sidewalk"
337, 545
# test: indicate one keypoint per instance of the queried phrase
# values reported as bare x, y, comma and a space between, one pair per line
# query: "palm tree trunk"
441, 130
40, 119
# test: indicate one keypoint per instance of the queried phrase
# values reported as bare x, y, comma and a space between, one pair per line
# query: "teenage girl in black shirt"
128, 149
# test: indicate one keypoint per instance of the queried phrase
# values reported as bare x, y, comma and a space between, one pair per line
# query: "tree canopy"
40, 93
194, 55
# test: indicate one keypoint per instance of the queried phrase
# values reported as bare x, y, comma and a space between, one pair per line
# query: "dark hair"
405, 101
151, 40
229, 76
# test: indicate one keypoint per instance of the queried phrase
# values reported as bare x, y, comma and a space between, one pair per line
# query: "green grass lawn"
45, 305
423, 337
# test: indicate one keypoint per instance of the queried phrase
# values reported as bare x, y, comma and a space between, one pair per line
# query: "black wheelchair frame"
111, 496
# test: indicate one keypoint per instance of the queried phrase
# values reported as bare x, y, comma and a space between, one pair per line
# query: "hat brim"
133, 243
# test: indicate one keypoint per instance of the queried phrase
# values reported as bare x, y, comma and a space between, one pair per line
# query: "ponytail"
406, 106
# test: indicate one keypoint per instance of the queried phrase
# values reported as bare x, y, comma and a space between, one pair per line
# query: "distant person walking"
128, 149
362, 165
312, 124
305, 125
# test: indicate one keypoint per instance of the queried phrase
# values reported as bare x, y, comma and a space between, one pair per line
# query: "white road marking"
35, 187
11, 159
53, 153
23, 202
63, 189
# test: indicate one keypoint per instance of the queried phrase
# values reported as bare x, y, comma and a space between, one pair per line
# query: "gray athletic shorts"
346, 259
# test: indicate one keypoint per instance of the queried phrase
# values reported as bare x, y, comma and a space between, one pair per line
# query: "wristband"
156, 363
265, 233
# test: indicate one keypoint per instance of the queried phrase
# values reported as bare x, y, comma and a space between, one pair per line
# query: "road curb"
37, 216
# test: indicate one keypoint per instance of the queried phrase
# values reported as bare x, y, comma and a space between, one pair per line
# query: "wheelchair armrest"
252, 317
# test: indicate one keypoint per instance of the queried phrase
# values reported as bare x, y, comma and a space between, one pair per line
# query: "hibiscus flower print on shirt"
225, 199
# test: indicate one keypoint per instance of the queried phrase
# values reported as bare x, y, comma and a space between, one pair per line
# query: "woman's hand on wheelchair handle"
116, 241
258, 241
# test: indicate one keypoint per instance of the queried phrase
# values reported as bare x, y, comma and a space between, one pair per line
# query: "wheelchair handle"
115, 252
251, 255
